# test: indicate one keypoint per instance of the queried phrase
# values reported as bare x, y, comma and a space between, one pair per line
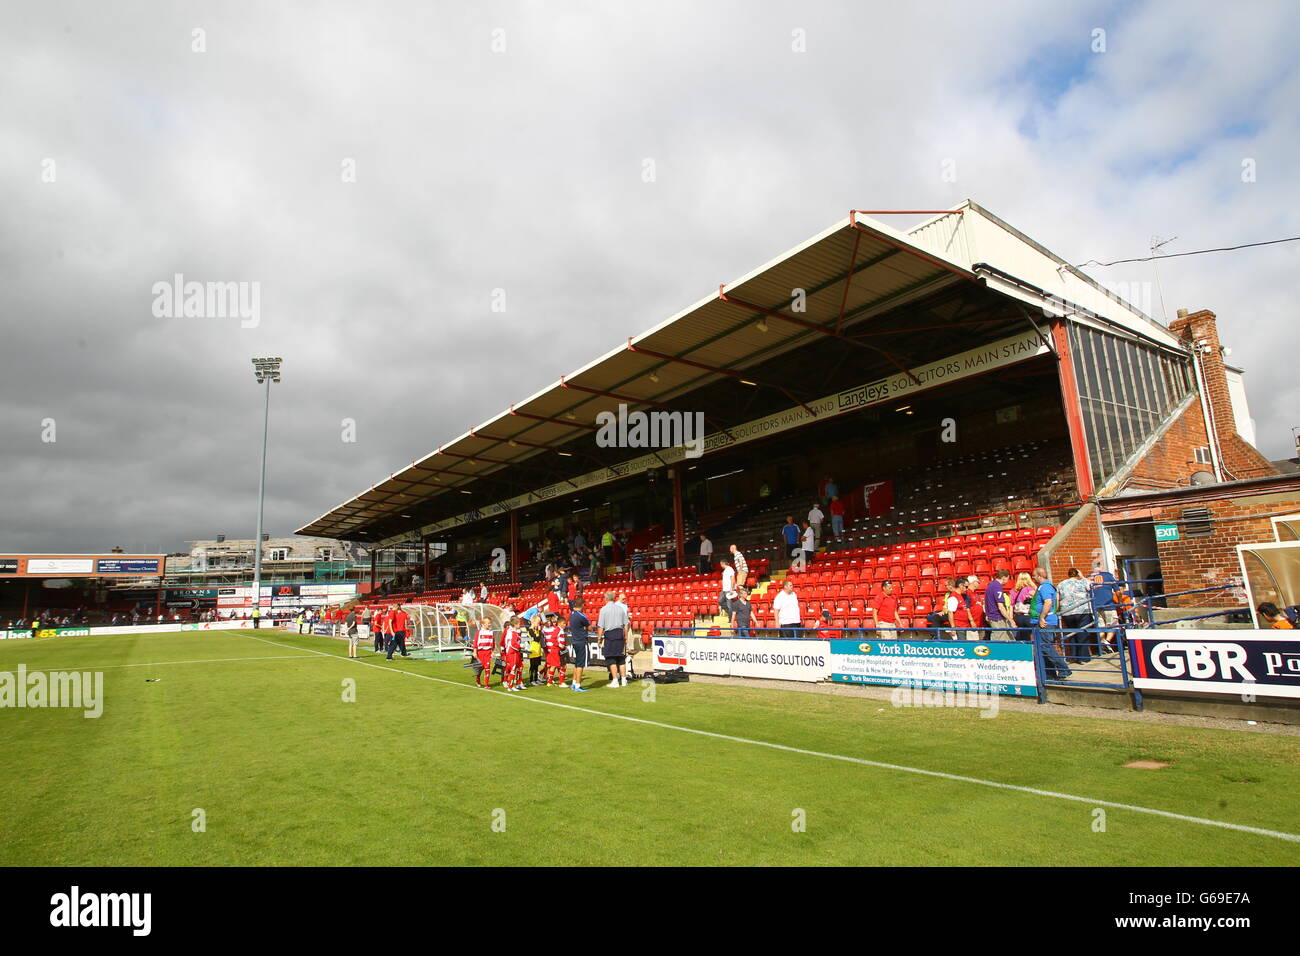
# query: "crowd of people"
551, 635
583, 547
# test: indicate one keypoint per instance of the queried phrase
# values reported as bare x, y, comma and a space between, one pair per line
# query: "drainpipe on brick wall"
1210, 431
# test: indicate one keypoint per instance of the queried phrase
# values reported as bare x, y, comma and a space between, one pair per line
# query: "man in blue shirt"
997, 607
578, 624
1044, 614
791, 535
1103, 603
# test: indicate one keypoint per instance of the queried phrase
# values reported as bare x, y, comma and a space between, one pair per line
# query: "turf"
258, 736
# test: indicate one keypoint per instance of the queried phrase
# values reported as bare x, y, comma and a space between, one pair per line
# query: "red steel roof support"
572, 423
848, 278
639, 401
814, 327
663, 356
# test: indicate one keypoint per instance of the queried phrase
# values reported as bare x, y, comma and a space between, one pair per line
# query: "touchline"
103, 909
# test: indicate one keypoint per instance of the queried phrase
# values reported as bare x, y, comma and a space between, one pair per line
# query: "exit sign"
1166, 532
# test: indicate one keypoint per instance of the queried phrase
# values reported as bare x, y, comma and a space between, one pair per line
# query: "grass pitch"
251, 728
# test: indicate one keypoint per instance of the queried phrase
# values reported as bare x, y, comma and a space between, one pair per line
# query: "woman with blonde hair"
1021, 595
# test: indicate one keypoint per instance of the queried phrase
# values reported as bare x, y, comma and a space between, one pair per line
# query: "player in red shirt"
378, 627
553, 639
485, 643
396, 620
512, 655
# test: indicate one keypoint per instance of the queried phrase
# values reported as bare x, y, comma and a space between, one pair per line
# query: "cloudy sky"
379, 169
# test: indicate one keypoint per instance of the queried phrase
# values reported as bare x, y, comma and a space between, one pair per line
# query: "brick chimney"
1200, 331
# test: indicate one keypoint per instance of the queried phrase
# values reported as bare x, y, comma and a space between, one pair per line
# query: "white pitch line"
213, 660
1167, 814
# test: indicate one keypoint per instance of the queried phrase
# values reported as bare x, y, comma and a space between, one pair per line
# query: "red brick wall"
1080, 547
1173, 458
1192, 563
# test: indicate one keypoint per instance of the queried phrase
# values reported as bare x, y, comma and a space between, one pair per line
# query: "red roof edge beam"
910, 249
665, 357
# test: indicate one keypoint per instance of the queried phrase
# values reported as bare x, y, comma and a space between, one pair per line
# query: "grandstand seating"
970, 514
847, 581
844, 582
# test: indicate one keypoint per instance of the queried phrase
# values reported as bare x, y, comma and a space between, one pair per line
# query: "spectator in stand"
728, 587
1104, 607
963, 617
997, 607
706, 554
975, 608
638, 565
886, 609
826, 629
830, 490
790, 533
1044, 612
809, 543
1076, 615
954, 615
741, 611
1021, 599
607, 546
785, 607
1277, 620
837, 517
815, 518
741, 565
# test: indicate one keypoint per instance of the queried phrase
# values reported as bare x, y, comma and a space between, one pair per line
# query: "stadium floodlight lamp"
266, 370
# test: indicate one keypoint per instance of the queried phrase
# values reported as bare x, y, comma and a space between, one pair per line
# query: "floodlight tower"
266, 370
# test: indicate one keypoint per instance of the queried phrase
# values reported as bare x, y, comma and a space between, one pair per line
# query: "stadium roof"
797, 298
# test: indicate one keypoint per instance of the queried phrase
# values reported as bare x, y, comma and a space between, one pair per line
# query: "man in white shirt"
815, 518
728, 587
809, 543
706, 554
785, 607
